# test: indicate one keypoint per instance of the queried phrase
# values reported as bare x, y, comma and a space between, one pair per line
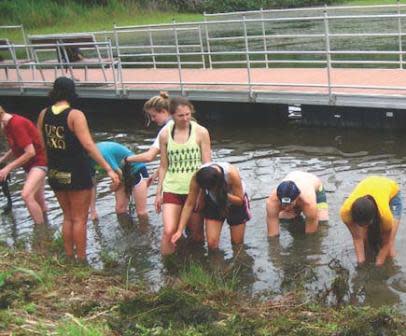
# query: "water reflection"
298, 255
264, 154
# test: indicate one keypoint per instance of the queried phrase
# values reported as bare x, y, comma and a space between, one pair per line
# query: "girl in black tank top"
69, 165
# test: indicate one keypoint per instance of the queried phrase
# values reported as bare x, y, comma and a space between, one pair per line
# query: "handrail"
303, 9
251, 43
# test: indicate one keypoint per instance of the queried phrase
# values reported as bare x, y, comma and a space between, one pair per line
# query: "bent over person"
372, 214
134, 179
225, 198
298, 193
26, 150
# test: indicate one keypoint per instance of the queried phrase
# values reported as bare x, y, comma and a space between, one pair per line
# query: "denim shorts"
396, 206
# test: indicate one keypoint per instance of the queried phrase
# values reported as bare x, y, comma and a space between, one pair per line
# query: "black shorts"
236, 214
79, 178
139, 176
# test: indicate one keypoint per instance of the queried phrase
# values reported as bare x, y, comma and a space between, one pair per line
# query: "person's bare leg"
121, 200
196, 226
213, 231
140, 193
170, 216
80, 202
67, 226
237, 234
35, 179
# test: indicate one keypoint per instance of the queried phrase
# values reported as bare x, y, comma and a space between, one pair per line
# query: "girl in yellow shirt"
374, 205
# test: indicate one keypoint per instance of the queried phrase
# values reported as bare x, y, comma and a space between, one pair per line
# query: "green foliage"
212, 6
196, 277
77, 327
369, 322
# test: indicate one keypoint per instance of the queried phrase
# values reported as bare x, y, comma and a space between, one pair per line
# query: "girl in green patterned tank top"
184, 146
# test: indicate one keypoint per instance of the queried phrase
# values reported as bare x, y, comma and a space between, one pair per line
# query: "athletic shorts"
236, 214
173, 198
396, 206
321, 199
140, 175
43, 168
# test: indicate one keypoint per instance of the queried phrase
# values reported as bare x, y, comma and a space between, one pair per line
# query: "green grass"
46, 17
76, 327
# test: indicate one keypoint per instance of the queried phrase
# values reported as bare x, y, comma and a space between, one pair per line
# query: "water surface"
264, 153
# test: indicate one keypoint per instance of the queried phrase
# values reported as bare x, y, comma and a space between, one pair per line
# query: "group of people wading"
193, 192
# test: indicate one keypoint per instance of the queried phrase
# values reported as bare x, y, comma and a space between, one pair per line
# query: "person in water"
26, 151
133, 175
184, 146
299, 192
372, 214
68, 143
225, 198
157, 111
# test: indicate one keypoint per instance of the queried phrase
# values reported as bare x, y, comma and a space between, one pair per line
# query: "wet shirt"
382, 189
20, 133
183, 161
115, 153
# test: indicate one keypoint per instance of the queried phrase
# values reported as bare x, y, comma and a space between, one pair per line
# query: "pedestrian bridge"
332, 56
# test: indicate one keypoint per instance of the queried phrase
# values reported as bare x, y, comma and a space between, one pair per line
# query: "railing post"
18, 75
201, 47
111, 58
207, 40
400, 37
247, 56
328, 54
151, 43
264, 37
178, 57
116, 41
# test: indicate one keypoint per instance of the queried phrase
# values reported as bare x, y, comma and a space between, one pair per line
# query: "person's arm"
7, 156
236, 194
147, 156
358, 235
29, 153
385, 248
205, 145
79, 126
272, 217
40, 122
163, 167
311, 216
187, 209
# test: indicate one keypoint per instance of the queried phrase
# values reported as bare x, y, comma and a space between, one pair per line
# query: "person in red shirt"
26, 151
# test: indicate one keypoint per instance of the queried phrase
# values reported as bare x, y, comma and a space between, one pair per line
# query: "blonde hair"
158, 103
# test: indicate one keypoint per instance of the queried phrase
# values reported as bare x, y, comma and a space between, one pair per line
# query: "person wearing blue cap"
298, 193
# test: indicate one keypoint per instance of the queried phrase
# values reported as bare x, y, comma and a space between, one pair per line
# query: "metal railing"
323, 41
58, 63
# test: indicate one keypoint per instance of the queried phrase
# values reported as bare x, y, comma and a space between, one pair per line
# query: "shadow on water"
264, 149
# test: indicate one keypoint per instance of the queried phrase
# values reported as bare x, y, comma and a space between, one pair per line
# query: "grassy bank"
45, 296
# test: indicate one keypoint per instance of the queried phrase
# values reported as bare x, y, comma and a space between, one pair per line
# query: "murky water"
264, 154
